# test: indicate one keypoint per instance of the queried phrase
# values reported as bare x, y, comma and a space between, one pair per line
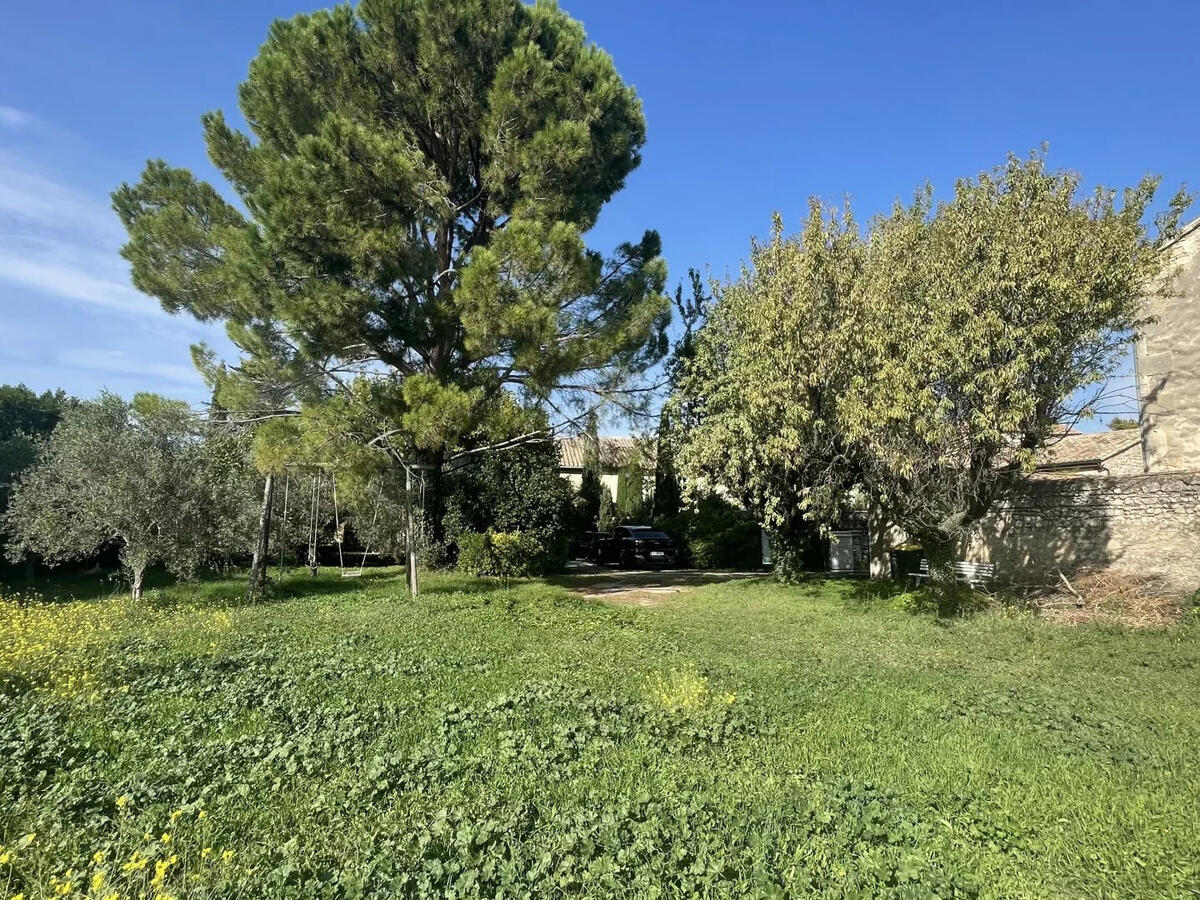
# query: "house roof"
1183, 232
1075, 449
615, 452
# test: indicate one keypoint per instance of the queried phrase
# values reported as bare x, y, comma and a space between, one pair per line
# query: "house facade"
616, 453
1168, 364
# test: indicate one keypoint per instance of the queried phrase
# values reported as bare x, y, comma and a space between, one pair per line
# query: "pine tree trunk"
433, 510
258, 564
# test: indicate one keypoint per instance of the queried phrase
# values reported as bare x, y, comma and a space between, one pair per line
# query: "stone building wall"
1168, 364
1142, 524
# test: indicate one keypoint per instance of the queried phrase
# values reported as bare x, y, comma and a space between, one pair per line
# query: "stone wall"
1168, 363
1144, 524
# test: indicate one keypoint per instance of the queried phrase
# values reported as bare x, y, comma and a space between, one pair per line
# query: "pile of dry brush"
1105, 596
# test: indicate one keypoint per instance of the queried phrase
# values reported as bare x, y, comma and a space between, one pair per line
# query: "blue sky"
751, 108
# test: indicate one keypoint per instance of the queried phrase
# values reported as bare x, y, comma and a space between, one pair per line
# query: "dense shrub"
715, 534
517, 490
508, 554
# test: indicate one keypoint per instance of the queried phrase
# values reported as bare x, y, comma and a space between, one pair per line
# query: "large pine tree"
405, 266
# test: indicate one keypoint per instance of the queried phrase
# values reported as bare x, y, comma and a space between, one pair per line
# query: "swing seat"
351, 574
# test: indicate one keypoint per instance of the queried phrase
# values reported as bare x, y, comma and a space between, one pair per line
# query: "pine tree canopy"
405, 260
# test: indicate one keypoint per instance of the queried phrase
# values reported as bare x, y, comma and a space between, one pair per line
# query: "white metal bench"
968, 572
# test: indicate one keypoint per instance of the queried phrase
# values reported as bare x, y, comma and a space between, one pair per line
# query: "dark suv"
637, 545
590, 545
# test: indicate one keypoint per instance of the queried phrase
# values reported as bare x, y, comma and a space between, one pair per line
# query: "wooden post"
411, 526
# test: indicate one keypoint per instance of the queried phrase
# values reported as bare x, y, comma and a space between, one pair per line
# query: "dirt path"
638, 587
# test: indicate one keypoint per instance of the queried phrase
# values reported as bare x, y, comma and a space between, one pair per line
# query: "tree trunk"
135, 582
410, 527
941, 553
258, 565
433, 510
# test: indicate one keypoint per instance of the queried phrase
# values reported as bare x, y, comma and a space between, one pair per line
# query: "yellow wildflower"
98, 881
228, 856
202, 815
166, 838
160, 872
175, 815
206, 853
122, 801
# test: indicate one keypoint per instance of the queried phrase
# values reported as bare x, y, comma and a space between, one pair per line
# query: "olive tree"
137, 474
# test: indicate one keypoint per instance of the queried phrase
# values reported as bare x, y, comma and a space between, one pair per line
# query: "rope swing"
313, 527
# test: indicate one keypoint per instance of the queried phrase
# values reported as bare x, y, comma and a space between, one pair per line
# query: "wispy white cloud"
116, 362
30, 200
45, 273
69, 314
11, 117
59, 242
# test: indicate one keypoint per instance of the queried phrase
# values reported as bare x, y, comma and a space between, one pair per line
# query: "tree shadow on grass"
65, 585
228, 589
957, 601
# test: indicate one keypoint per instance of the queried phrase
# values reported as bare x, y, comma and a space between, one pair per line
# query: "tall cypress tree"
590, 485
410, 272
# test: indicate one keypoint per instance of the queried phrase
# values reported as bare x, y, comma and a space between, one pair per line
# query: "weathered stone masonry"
1142, 524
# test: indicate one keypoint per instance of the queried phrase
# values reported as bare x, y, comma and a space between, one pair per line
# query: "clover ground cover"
747, 739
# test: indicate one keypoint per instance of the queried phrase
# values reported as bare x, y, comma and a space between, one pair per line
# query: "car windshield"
653, 535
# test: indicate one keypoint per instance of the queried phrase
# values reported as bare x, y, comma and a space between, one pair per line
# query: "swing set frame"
313, 528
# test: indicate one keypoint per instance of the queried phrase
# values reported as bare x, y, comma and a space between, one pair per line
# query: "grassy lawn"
743, 739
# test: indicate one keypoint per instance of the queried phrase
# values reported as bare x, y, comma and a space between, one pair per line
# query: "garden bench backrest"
971, 573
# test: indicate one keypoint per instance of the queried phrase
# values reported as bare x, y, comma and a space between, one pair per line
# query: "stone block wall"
1168, 363
1143, 524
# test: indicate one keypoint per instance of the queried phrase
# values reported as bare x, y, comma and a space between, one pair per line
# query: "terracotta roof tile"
615, 452
1118, 451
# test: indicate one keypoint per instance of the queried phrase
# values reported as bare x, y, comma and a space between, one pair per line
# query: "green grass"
745, 739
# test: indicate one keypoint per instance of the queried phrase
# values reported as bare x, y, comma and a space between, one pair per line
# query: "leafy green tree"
24, 412
608, 518
25, 417
691, 312
759, 398
926, 364
1117, 423
587, 499
417, 181
139, 474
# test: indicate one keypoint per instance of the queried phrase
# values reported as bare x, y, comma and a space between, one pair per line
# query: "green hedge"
507, 554
715, 534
